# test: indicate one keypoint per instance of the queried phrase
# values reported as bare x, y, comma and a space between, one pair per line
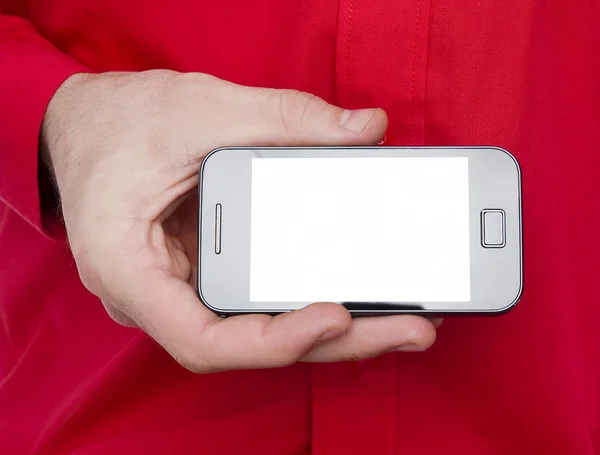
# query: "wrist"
54, 123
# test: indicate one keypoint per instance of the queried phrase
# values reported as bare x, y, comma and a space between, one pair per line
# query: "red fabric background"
522, 75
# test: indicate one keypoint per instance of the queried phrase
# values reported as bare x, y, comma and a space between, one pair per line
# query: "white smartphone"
380, 230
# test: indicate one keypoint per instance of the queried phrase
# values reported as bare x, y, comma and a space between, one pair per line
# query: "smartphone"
380, 230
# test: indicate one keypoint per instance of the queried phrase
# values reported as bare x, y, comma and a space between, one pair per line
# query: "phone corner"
216, 150
209, 155
514, 302
509, 155
199, 293
203, 301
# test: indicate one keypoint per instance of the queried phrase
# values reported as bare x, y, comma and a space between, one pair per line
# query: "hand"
125, 149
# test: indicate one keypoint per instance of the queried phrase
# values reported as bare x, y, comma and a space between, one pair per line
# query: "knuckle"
193, 367
195, 362
118, 316
193, 357
87, 262
196, 354
294, 108
190, 90
87, 275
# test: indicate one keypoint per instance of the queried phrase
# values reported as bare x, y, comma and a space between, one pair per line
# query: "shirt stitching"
348, 51
414, 76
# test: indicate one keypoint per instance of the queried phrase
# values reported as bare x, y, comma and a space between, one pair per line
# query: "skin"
125, 150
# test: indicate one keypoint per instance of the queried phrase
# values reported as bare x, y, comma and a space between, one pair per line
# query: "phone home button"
493, 228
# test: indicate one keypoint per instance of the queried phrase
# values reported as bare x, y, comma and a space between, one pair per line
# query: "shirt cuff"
33, 70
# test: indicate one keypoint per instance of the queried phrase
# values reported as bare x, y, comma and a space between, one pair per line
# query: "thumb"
268, 117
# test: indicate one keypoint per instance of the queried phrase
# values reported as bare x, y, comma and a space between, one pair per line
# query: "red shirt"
521, 75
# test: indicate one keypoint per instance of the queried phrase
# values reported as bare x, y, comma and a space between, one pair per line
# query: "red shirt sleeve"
32, 71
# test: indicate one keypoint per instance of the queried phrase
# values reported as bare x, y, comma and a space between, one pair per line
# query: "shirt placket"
381, 61
354, 407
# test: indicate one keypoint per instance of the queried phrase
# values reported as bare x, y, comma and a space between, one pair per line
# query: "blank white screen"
360, 230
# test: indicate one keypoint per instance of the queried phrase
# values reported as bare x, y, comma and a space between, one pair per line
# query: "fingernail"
356, 121
410, 348
330, 334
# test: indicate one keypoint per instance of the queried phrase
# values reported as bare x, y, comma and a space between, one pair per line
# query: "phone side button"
493, 228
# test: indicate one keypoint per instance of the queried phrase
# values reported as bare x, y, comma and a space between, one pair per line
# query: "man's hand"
126, 148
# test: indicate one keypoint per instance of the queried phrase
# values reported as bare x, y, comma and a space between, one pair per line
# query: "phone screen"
393, 229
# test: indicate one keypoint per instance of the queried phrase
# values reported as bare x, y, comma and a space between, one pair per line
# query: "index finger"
169, 310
